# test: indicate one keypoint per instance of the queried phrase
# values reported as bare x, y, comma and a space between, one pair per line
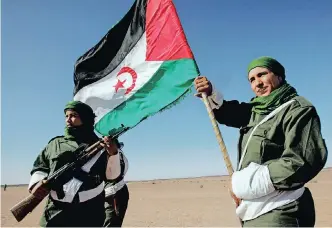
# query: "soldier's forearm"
35, 178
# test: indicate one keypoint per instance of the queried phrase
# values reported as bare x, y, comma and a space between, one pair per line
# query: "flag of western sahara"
143, 65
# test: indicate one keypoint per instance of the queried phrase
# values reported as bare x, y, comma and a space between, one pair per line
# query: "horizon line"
161, 179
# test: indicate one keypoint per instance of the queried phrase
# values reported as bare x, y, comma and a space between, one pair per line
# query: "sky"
41, 40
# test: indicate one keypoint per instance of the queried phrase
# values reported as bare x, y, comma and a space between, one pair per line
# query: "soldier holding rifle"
78, 198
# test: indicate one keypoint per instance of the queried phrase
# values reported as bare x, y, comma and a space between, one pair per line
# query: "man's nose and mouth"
261, 89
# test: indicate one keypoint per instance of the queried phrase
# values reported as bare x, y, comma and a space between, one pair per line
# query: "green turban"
84, 111
269, 63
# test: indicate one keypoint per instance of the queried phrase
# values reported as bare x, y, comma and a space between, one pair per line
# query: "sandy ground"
179, 202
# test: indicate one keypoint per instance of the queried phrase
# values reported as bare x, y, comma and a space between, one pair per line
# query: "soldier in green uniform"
280, 148
78, 199
117, 195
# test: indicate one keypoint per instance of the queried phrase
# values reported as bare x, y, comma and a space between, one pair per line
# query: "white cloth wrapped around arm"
215, 99
113, 169
252, 182
35, 178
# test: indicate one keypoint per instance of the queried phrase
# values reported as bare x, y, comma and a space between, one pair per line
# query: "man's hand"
39, 190
110, 146
236, 200
202, 85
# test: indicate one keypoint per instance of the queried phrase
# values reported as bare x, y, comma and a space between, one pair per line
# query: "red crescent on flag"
133, 75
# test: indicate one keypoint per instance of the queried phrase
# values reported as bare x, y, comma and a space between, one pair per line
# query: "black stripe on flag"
110, 51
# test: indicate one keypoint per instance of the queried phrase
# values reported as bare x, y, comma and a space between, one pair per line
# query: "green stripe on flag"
172, 81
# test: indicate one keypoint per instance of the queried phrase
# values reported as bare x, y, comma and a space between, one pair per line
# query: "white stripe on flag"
101, 95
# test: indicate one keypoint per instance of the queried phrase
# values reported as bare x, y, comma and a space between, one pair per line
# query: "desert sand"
193, 202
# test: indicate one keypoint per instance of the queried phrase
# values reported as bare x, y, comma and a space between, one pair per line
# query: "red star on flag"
119, 85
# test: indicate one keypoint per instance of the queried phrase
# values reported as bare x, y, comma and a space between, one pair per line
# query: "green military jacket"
57, 153
290, 143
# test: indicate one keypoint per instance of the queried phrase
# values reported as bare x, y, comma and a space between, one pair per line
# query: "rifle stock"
27, 205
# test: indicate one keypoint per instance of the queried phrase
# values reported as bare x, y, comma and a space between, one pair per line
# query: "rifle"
27, 205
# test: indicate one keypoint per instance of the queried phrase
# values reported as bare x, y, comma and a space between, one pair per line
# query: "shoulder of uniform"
302, 102
56, 138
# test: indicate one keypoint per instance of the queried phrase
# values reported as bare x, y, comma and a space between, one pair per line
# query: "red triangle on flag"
164, 33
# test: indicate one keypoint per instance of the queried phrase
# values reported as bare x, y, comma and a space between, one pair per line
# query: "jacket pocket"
270, 150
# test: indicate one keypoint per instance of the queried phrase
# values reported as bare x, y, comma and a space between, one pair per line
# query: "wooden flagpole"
220, 140
218, 135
